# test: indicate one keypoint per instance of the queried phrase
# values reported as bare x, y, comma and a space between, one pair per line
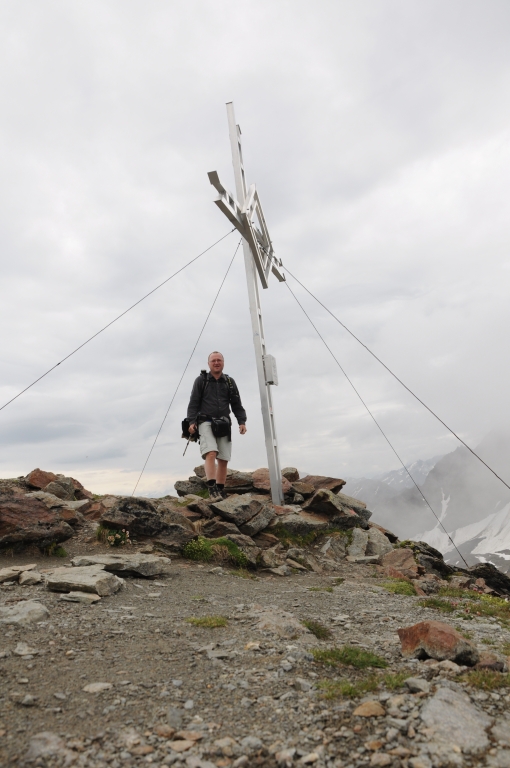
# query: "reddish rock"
436, 640
262, 483
94, 510
286, 510
80, 492
26, 520
320, 481
39, 479
400, 564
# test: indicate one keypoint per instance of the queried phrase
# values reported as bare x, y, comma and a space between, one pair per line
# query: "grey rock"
251, 743
48, 744
501, 730
378, 543
259, 522
145, 565
417, 685
29, 578
61, 489
335, 548
13, 572
92, 578
363, 559
238, 509
302, 685
500, 760
454, 720
281, 623
301, 523
290, 473
28, 700
246, 545
281, 570
87, 598
272, 557
216, 528
193, 485
144, 517
23, 613
340, 515
358, 544
174, 717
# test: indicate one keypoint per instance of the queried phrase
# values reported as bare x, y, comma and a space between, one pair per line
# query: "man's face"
216, 363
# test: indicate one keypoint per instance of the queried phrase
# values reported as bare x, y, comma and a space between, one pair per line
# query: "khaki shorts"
208, 442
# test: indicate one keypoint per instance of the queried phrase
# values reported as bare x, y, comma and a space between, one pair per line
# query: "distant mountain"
472, 504
399, 479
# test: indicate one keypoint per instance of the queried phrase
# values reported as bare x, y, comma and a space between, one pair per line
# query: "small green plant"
440, 605
338, 581
243, 573
505, 649
333, 689
486, 679
113, 537
220, 550
320, 589
349, 656
469, 594
319, 630
486, 641
211, 622
399, 587
55, 550
394, 681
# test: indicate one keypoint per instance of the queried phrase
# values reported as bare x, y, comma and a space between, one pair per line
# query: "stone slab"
23, 613
454, 720
145, 565
92, 578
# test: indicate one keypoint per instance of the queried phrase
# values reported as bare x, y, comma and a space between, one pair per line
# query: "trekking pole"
188, 442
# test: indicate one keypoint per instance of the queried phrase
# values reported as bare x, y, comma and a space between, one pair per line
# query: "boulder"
450, 717
378, 543
237, 509
174, 537
351, 502
272, 557
27, 520
392, 538
358, 544
278, 622
202, 508
290, 473
145, 565
333, 484
29, 578
259, 522
13, 572
79, 491
303, 489
493, 661
400, 564
494, 578
92, 578
62, 488
300, 523
193, 485
246, 545
142, 517
23, 613
262, 482
335, 548
326, 502
240, 482
200, 471
437, 640
37, 478
216, 528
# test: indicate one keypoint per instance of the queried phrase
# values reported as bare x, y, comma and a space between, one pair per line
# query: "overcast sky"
378, 136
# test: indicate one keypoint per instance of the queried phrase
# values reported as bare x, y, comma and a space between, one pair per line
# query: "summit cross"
245, 213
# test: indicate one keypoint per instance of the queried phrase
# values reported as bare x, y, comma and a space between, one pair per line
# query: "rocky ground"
203, 665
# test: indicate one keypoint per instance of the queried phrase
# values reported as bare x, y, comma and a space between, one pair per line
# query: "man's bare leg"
210, 465
221, 471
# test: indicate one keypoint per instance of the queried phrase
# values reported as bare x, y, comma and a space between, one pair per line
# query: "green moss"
439, 605
211, 622
394, 681
220, 550
319, 630
399, 587
55, 550
334, 689
349, 656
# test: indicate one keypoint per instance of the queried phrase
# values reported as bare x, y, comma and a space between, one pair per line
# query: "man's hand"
192, 428
242, 429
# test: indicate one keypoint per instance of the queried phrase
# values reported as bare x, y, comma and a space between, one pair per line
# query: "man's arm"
194, 402
237, 406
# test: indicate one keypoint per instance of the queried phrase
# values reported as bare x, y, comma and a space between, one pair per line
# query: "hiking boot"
215, 494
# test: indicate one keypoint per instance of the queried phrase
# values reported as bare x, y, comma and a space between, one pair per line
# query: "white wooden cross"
245, 213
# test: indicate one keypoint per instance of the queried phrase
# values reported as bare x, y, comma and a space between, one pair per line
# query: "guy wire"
113, 321
376, 423
397, 378
186, 367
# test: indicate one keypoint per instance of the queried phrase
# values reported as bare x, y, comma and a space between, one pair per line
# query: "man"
211, 398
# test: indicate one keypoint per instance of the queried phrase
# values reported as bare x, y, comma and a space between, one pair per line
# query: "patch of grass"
399, 587
489, 606
338, 581
243, 573
394, 681
334, 689
197, 597
211, 622
349, 656
488, 641
319, 630
486, 679
459, 593
440, 605
320, 589
220, 550
505, 649
55, 550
